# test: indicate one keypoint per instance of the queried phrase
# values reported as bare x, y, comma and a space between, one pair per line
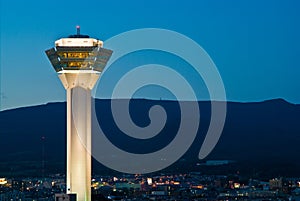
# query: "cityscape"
189, 186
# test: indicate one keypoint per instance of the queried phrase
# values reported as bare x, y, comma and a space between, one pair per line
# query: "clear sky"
255, 44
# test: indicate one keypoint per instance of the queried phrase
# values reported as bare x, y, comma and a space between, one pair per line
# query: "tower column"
78, 86
78, 143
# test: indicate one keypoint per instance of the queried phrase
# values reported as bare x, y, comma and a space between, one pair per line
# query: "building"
65, 197
275, 184
78, 60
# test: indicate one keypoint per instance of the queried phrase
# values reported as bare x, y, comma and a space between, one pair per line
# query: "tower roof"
78, 36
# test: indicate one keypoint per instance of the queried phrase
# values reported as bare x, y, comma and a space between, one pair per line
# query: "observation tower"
78, 61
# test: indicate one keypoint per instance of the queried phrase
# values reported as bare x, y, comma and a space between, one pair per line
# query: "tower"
78, 61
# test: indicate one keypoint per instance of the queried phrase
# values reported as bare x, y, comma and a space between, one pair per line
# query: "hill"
262, 138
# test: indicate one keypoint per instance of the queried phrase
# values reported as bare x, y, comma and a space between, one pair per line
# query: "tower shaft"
78, 85
79, 143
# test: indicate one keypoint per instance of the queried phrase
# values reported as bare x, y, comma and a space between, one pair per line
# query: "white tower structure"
78, 60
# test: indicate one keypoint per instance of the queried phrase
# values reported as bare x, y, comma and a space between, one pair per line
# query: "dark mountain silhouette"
262, 138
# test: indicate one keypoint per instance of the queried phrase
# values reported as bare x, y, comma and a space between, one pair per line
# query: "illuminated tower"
78, 60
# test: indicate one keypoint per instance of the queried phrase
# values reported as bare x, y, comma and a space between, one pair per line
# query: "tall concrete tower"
79, 61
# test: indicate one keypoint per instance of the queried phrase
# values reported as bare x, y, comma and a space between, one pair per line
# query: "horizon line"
150, 99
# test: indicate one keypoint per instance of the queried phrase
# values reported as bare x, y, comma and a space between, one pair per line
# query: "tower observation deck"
79, 61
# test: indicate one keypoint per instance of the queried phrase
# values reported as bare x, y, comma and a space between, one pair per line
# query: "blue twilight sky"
255, 44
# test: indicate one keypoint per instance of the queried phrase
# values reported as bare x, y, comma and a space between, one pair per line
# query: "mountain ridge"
264, 135
148, 99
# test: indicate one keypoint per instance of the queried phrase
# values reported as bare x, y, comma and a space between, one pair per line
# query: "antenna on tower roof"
78, 30
78, 35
